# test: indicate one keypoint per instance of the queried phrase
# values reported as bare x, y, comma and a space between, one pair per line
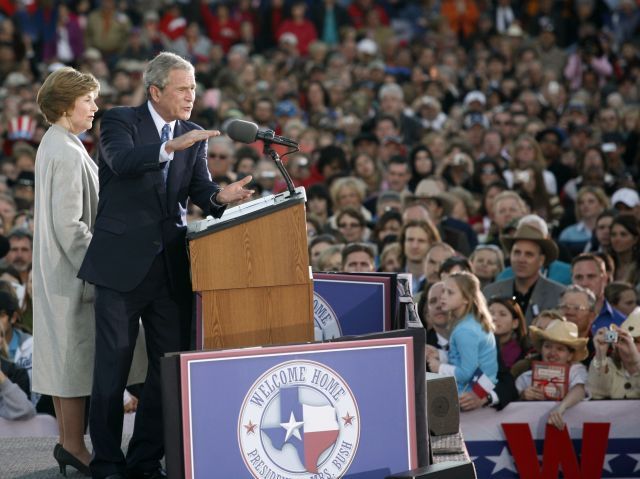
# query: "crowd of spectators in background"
428, 130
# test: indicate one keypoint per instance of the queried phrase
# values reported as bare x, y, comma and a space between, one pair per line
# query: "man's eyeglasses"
218, 155
572, 307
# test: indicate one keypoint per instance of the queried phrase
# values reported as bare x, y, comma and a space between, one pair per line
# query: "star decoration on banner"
292, 427
635, 457
251, 428
503, 461
348, 420
607, 466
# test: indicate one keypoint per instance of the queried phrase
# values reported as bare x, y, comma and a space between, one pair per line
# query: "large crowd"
489, 148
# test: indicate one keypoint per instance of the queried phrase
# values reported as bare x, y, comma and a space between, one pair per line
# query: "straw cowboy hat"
632, 323
531, 233
563, 332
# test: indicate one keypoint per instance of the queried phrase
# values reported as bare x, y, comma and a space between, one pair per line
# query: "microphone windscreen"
242, 131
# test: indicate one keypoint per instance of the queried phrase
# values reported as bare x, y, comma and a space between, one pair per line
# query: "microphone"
248, 132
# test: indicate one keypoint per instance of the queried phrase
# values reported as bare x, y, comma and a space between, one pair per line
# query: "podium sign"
306, 411
346, 305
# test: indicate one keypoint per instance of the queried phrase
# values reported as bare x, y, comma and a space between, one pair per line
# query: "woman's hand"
627, 350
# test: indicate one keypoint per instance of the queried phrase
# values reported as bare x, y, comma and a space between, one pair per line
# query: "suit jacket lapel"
146, 127
148, 133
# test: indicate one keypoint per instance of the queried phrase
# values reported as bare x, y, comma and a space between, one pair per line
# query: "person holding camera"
616, 376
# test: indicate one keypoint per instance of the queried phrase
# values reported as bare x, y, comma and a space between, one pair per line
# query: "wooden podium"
250, 269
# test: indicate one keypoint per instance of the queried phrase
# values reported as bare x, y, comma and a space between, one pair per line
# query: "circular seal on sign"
299, 420
325, 320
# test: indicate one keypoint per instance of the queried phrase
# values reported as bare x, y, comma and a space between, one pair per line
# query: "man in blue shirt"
589, 271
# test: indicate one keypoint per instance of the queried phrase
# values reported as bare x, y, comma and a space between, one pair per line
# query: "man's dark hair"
450, 263
589, 257
20, 233
399, 160
357, 248
332, 153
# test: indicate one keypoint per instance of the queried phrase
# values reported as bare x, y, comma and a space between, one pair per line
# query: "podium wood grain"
254, 280
257, 316
266, 251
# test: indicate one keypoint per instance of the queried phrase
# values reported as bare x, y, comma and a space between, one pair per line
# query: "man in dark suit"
152, 159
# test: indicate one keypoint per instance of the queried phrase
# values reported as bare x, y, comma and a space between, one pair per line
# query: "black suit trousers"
166, 319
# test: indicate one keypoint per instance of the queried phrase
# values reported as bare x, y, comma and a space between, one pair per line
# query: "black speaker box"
443, 408
443, 470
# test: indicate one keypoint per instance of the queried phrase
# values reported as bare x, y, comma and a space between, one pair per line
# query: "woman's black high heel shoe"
65, 458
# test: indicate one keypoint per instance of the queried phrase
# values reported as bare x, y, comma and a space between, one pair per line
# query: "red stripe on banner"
315, 443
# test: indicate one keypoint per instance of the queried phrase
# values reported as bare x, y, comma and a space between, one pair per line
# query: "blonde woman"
590, 203
527, 152
66, 200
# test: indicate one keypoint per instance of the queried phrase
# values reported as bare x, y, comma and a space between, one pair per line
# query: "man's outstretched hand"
235, 192
187, 140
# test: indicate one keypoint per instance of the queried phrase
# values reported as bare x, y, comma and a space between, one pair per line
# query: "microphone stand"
276, 158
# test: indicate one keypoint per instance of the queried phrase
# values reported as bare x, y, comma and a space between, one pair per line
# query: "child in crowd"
617, 376
14, 387
558, 343
541, 322
487, 261
511, 329
472, 345
19, 343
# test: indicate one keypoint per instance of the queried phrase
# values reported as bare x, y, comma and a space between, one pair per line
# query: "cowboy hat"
531, 233
563, 332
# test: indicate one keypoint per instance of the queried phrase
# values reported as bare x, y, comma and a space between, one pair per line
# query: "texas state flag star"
292, 427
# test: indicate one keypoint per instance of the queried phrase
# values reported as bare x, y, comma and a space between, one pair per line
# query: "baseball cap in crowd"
397, 142
557, 132
367, 46
475, 95
365, 136
288, 37
579, 128
627, 197
25, 178
515, 30
92, 54
151, 16
475, 118
377, 65
286, 108
546, 25
15, 80
577, 105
